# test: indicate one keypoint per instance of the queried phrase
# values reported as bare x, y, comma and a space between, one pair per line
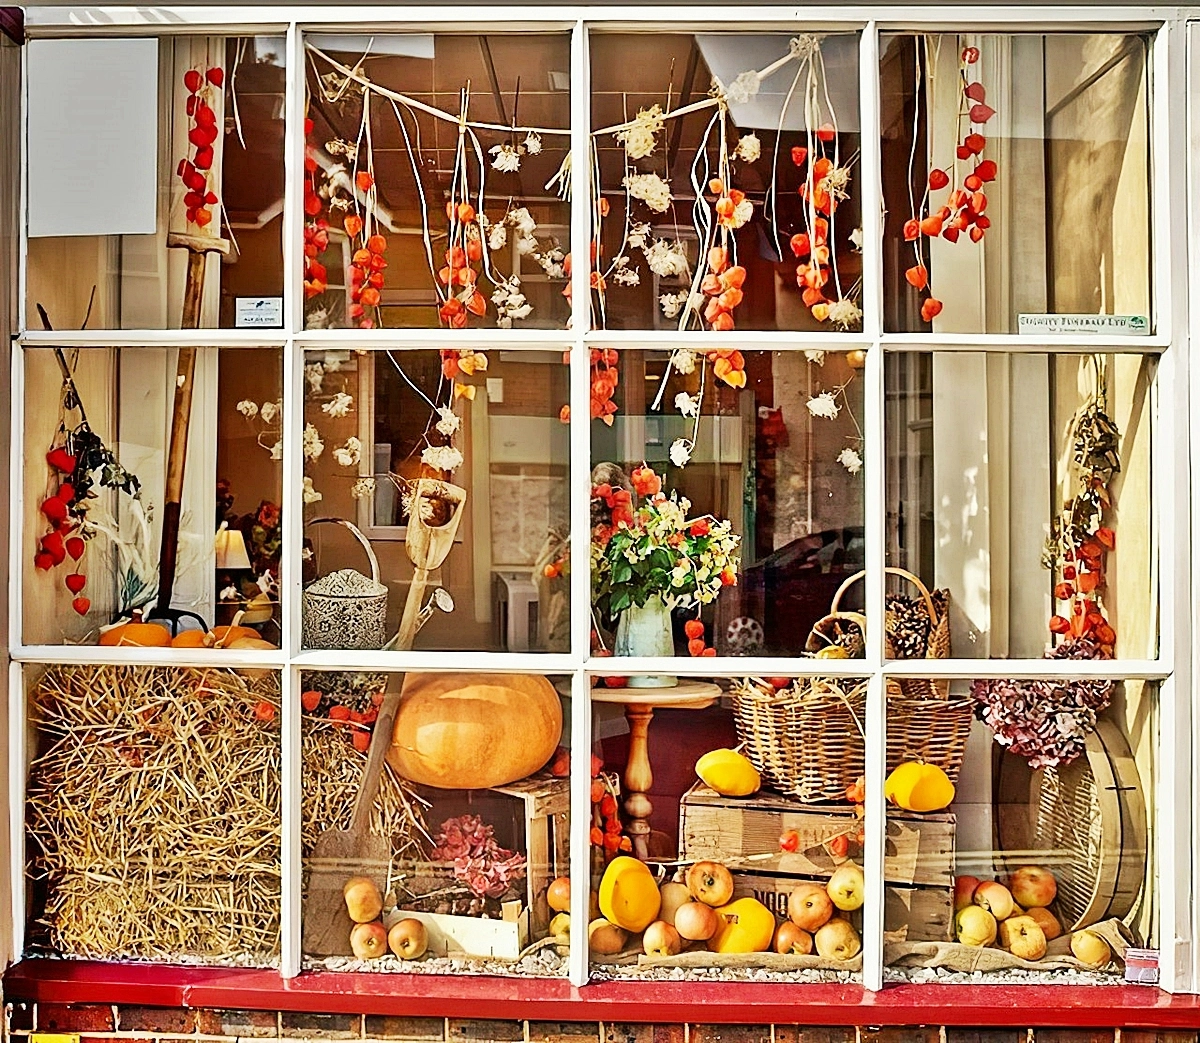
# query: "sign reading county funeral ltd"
1114, 325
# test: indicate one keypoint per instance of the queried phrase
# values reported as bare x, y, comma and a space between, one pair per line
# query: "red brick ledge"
1127, 1006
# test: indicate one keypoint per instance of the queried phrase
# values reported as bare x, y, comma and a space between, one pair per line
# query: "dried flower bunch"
469, 844
964, 179
199, 197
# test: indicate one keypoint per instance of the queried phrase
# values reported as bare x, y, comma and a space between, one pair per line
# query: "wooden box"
744, 832
547, 809
451, 935
925, 914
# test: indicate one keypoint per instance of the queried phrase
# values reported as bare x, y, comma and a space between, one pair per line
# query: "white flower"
533, 143
277, 451
507, 160
309, 494
748, 148
313, 446
314, 376
497, 237
667, 259
448, 421
683, 361
638, 137
845, 313
521, 220
441, 457
363, 488
527, 244
850, 460
823, 405
229, 593
743, 88
637, 234
248, 408
856, 239
688, 405
339, 405
741, 213
349, 454
269, 411
835, 182
815, 355
672, 303
622, 274
680, 452
650, 189
266, 583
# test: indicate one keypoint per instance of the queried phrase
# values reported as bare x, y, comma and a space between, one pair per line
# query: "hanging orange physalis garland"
316, 228
202, 134
722, 285
963, 210
367, 263
458, 280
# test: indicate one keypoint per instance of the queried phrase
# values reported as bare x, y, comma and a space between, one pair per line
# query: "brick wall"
97, 1024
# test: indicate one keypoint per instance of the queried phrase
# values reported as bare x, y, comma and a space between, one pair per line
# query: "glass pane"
746, 865
1015, 175
763, 521
410, 223
192, 873
1018, 490
216, 202
1027, 856
111, 508
477, 442
745, 144
464, 867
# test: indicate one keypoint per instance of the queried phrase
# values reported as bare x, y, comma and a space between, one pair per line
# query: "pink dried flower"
487, 869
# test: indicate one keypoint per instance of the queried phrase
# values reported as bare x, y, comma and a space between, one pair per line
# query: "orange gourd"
136, 632
472, 731
192, 639
224, 637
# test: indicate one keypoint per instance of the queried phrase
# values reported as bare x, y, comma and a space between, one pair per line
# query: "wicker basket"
937, 646
808, 741
346, 609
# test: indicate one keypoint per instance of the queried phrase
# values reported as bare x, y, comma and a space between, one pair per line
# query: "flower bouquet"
649, 557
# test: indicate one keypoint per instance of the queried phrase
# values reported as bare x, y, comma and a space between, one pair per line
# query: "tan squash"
471, 731
138, 633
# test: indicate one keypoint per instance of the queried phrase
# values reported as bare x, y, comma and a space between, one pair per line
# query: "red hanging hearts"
75, 582
976, 234
61, 460
43, 561
918, 276
192, 81
975, 142
938, 179
981, 113
931, 309
52, 544
799, 155
215, 76
81, 605
975, 91
970, 55
75, 547
912, 229
826, 132
950, 234
986, 171
55, 510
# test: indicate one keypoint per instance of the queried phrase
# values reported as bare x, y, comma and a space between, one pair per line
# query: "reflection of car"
791, 589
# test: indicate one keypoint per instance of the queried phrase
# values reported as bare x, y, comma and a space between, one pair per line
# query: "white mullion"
747, 340
874, 502
870, 182
16, 486
1016, 343
291, 755
17, 773
580, 503
481, 339
23, 193
210, 338
133, 655
1174, 821
436, 661
1032, 669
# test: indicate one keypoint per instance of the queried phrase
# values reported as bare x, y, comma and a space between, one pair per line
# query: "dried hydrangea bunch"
1045, 721
484, 866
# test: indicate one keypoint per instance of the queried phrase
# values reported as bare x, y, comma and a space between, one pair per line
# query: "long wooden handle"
185, 380
381, 739
412, 610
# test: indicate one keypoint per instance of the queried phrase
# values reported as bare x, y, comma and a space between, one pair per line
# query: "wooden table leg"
638, 779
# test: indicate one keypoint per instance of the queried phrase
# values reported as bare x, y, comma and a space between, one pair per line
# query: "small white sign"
1112, 325
259, 313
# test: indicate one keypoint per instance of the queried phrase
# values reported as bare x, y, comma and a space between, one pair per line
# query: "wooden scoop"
340, 854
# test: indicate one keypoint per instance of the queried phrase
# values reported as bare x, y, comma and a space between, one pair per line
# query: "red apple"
368, 941
696, 921
408, 938
792, 939
710, 883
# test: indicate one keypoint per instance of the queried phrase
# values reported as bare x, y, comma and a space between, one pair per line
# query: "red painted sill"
1127, 1006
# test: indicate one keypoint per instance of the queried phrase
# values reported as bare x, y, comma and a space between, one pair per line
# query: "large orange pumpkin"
137, 632
471, 731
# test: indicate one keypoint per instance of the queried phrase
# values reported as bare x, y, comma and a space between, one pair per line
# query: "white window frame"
1176, 464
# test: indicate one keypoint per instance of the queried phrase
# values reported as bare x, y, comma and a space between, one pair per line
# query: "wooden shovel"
339, 855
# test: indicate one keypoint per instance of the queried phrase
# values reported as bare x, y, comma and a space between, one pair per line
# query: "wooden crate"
744, 832
547, 807
451, 935
926, 912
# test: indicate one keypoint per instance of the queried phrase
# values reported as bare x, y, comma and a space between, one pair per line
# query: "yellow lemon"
916, 786
728, 773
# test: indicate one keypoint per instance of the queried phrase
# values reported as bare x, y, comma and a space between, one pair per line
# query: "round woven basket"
809, 741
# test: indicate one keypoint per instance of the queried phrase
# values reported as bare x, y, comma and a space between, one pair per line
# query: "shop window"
199, 214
